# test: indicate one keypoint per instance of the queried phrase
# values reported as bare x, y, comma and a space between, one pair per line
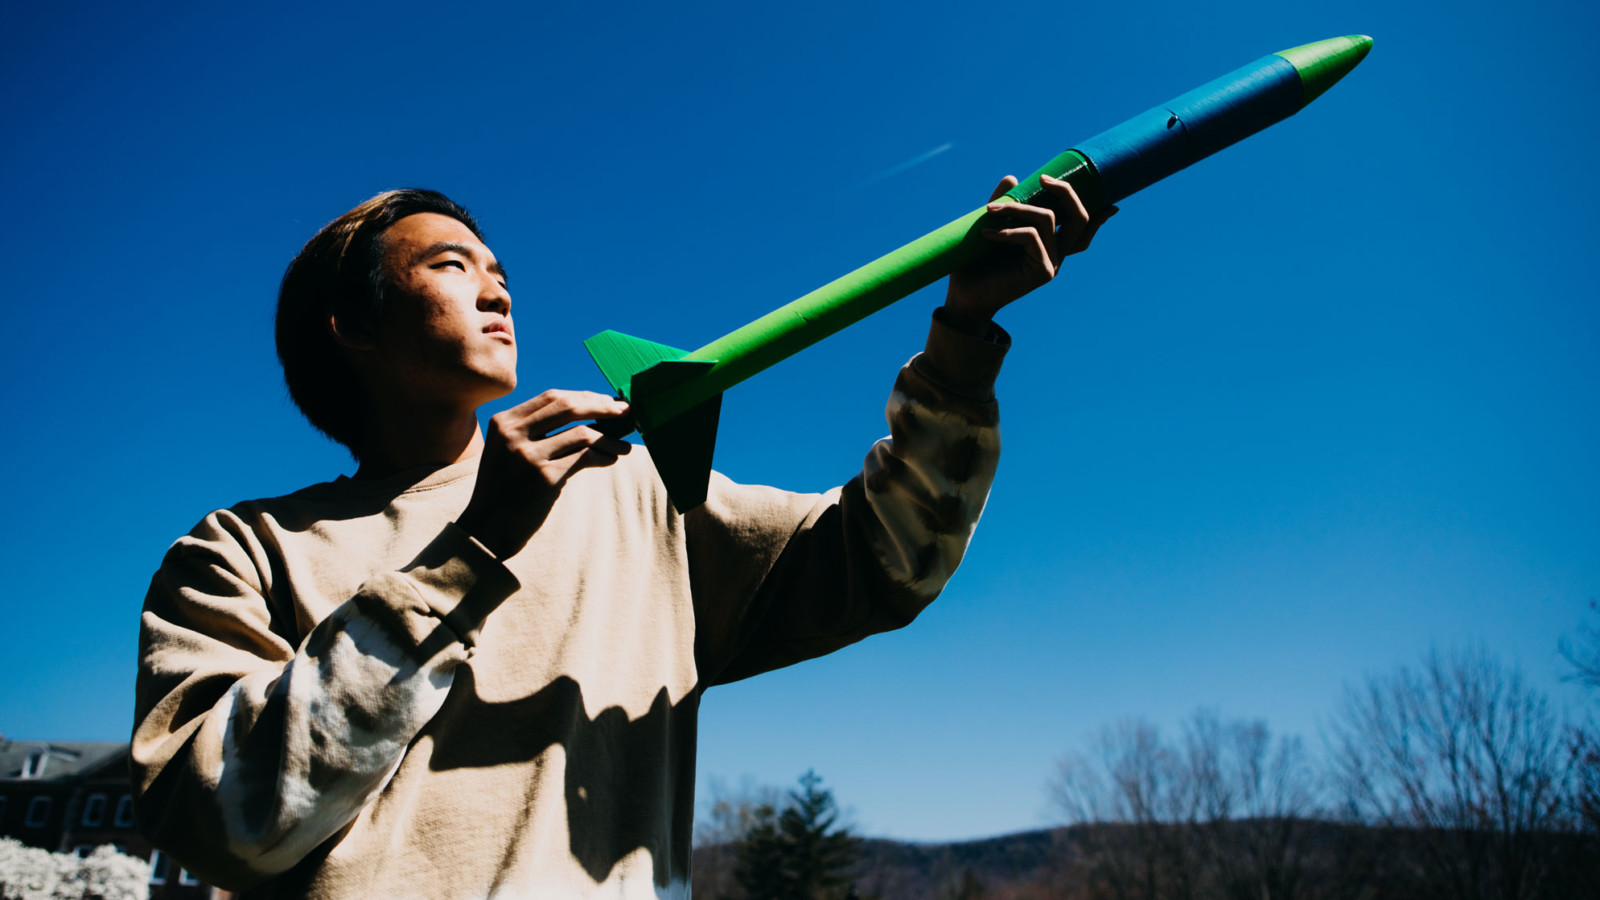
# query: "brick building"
73, 797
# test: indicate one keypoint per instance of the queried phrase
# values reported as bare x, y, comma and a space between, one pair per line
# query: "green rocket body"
676, 395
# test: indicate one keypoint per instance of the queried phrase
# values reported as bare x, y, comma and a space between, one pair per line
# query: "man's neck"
406, 439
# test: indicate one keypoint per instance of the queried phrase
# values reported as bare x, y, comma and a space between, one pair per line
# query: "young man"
474, 668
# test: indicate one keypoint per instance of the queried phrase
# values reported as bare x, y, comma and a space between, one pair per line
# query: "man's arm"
780, 578
249, 752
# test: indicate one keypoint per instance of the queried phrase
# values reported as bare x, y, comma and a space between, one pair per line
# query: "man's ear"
349, 334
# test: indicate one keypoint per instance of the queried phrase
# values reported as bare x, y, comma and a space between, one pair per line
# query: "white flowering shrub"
28, 873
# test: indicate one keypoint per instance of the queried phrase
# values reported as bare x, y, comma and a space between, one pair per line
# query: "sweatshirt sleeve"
249, 752
780, 577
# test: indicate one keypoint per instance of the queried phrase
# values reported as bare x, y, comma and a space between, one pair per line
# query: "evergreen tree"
761, 869
800, 852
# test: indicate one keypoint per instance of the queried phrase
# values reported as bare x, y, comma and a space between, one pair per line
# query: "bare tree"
1469, 760
1129, 783
1220, 813
1256, 797
1583, 652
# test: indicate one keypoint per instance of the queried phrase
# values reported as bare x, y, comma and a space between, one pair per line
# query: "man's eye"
450, 262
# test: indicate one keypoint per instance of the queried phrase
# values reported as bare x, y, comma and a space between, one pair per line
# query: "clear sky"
1319, 403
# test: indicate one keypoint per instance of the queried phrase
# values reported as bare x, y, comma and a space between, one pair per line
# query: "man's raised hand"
528, 454
1039, 238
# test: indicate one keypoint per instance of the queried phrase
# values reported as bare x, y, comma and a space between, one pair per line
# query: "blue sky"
1307, 409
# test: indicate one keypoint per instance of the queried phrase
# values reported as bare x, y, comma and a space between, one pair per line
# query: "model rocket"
676, 396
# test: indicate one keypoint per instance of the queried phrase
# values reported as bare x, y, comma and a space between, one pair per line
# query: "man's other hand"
528, 454
1036, 239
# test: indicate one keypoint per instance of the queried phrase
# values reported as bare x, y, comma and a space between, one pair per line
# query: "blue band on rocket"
1192, 126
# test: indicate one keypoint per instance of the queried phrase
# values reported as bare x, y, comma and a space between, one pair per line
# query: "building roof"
61, 760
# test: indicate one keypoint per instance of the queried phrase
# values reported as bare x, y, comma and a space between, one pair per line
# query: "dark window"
38, 812
124, 817
185, 878
94, 812
158, 867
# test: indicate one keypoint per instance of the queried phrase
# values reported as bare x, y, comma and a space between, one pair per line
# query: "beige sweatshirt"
341, 694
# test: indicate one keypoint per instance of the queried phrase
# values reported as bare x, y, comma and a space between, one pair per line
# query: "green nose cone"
1323, 63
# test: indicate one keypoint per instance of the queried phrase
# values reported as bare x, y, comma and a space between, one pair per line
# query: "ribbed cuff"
461, 581
960, 362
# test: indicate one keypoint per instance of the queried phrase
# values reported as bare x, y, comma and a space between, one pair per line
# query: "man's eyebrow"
438, 247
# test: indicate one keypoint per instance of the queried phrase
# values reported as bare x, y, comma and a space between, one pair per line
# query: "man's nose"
494, 296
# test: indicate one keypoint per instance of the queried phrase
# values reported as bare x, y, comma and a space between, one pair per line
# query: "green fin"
621, 356
682, 446
682, 449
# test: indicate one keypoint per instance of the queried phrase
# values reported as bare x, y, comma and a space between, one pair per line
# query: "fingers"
1089, 231
1076, 227
566, 452
619, 427
1055, 225
1033, 246
1031, 227
555, 409
529, 452
593, 458
534, 432
1006, 184
574, 405
1013, 215
581, 439
1072, 208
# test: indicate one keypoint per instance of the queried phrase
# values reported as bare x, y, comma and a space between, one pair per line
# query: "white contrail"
917, 160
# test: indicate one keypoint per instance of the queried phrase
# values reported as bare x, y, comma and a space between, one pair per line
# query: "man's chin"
489, 390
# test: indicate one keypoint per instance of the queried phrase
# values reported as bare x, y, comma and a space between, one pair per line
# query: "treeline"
1452, 779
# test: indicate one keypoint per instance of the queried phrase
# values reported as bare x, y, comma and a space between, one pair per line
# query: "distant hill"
895, 870
1243, 858
900, 870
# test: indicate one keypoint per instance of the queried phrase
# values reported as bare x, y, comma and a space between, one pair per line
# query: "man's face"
446, 334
